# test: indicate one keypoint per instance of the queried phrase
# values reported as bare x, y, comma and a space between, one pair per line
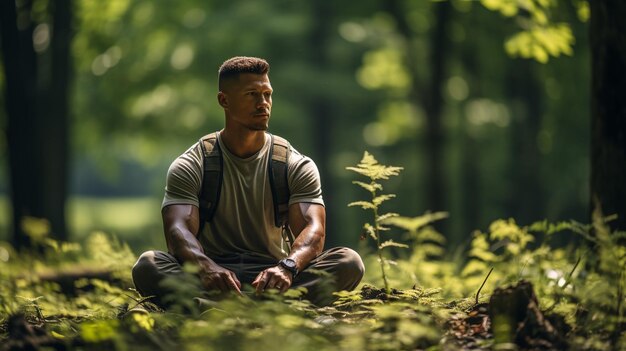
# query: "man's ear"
222, 99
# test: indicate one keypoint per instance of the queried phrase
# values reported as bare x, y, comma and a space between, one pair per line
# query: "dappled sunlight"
383, 69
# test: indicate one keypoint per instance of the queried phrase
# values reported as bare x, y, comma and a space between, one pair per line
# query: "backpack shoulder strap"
277, 169
212, 177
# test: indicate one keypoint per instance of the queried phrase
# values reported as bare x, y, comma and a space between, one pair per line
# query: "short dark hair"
234, 66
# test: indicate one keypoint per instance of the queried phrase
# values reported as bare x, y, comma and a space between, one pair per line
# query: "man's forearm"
307, 246
308, 222
186, 247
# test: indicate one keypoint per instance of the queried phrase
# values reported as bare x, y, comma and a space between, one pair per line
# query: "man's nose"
263, 102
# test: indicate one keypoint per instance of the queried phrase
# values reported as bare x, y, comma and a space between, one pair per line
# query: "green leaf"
144, 321
507, 8
385, 216
501, 230
412, 224
432, 249
483, 255
382, 198
541, 42
474, 267
431, 235
382, 228
364, 205
370, 168
369, 229
392, 243
372, 187
98, 331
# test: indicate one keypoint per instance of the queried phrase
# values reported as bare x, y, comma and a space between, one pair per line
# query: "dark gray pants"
341, 269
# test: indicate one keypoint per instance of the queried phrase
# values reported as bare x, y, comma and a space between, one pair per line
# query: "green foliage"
540, 38
584, 285
584, 288
370, 168
542, 43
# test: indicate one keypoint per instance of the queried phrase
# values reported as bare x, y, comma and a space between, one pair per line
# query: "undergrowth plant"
370, 168
425, 265
580, 285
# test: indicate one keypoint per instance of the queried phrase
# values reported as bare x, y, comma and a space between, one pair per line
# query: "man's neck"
243, 143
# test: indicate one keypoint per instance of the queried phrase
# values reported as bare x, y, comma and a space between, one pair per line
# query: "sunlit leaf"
542, 42
364, 205
412, 224
98, 331
371, 187
144, 321
370, 168
382, 198
385, 216
36, 228
57, 335
389, 243
369, 229
474, 267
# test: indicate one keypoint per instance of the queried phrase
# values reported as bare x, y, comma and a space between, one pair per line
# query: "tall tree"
36, 94
321, 110
607, 33
527, 198
430, 94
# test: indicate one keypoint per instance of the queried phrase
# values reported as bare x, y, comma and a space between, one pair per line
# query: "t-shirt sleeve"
184, 179
304, 180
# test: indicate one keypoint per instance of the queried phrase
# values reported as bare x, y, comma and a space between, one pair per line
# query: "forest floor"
80, 296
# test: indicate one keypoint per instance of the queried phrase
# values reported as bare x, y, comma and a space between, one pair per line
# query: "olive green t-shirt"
244, 218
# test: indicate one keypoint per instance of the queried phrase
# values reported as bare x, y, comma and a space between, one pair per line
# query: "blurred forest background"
485, 103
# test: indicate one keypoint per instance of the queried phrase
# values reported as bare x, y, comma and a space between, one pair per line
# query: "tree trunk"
20, 69
56, 123
322, 115
607, 32
527, 198
37, 108
430, 96
433, 105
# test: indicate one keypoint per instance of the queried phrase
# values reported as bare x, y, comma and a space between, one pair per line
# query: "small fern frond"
412, 224
370, 168
369, 229
385, 216
366, 205
392, 243
371, 187
382, 198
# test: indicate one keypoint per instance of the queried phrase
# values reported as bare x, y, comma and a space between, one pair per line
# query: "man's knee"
144, 270
350, 268
145, 263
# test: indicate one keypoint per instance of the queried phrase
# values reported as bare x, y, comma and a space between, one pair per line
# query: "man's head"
245, 93
233, 67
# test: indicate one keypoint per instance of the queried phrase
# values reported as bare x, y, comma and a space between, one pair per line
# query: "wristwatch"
290, 265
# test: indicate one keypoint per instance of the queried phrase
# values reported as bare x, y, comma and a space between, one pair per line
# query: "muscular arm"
181, 224
307, 221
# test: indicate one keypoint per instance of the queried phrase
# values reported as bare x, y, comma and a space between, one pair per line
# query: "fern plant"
370, 168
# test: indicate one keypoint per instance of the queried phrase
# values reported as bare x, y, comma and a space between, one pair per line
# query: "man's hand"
276, 277
216, 277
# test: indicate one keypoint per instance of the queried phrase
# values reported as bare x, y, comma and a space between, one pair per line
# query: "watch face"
289, 263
